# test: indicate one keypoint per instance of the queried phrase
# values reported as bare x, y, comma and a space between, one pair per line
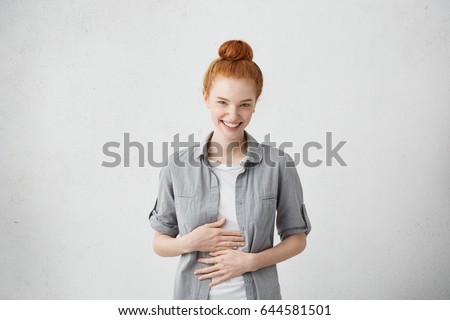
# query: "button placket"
214, 196
239, 207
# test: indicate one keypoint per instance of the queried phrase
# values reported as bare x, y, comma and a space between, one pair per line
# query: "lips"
231, 125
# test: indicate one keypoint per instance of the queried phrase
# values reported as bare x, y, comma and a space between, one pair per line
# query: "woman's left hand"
226, 264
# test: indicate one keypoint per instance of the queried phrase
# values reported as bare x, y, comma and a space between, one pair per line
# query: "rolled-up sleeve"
292, 217
163, 216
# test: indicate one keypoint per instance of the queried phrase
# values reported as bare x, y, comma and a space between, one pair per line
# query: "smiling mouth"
231, 124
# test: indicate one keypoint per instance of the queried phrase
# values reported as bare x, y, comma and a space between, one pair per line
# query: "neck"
228, 151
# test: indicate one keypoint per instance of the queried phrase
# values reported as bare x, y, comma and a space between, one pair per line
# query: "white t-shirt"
234, 288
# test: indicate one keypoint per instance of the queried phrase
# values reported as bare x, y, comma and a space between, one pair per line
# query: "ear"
205, 96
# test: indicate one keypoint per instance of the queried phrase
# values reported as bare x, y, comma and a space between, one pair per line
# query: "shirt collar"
254, 149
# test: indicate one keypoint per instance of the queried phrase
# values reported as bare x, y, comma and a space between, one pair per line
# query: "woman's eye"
245, 105
221, 102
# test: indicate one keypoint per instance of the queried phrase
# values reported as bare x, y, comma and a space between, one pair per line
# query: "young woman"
218, 202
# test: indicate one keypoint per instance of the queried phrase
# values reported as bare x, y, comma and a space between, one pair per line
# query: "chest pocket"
187, 210
264, 215
269, 203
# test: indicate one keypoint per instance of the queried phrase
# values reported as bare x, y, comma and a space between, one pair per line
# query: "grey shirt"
268, 192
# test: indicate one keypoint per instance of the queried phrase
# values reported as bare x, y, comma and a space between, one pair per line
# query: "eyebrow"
229, 100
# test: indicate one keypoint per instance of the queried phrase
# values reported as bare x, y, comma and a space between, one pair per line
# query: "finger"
217, 253
221, 249
206, 270
218, 249
207, 260
211, 275
216, 224
226, 232
232, 244
231, 238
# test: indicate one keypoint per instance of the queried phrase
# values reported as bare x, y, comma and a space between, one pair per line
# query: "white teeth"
231, 125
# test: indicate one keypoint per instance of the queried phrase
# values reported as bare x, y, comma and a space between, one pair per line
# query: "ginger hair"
235, 61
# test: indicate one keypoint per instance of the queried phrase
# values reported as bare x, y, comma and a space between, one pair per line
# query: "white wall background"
75, 75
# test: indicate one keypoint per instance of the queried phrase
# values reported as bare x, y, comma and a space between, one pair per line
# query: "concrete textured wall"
75, 75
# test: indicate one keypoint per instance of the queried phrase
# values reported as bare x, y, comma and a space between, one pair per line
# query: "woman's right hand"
210, 237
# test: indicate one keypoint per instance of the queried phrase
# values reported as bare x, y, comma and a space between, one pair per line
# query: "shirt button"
239, 202
247, 280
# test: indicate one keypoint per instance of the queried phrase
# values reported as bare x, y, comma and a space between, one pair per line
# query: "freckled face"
232, 103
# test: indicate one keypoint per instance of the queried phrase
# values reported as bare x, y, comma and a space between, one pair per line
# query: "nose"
233, 111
